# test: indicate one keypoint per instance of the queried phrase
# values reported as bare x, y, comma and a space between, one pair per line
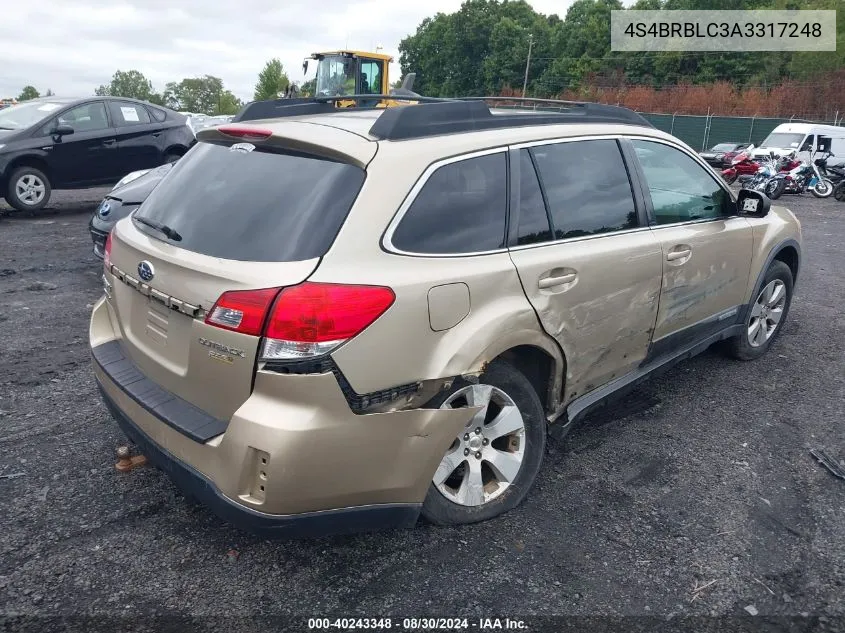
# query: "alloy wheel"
766, 313
30, 189
486, 457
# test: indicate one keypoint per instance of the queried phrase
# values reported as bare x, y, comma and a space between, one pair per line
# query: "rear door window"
587, 187
533, 222
461, 209
126, 113
253, 205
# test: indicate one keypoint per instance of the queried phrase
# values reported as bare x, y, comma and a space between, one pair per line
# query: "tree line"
482, 49
205, 94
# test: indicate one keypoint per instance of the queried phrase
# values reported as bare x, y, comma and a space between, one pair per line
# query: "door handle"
678, 254
156, 134
109, 142
549, 282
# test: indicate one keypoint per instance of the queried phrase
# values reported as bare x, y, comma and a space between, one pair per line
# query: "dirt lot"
703, 480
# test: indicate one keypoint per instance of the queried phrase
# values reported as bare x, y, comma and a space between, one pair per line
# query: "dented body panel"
604, 317
711, 280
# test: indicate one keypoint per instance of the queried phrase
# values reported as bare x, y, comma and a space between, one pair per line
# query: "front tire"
774, 188
822, 189
491, 465
768, 312
28, 190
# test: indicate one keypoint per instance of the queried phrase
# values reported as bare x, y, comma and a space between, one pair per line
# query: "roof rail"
278, 108
469, 114
440, 115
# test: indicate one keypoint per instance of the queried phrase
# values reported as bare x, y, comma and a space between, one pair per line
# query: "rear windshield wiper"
161, 228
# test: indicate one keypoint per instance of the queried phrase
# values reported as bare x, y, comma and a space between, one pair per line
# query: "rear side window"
253, 205
125, 113
587, 187
460, 209
158, 115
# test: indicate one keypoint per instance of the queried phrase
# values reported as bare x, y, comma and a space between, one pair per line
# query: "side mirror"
62, 130
752, 203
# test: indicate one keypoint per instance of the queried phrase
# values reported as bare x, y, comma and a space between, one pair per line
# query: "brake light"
312, 319
246, 132
107, 252
242, 311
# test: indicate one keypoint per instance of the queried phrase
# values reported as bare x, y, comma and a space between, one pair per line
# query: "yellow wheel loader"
353, 74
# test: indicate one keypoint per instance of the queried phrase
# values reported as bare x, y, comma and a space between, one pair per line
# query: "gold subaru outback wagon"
337, 320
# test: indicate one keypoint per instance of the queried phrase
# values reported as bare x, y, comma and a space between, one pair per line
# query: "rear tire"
28, 190
489, 473
766, 316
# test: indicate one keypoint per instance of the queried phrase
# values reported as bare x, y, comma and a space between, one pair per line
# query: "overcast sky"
73, 46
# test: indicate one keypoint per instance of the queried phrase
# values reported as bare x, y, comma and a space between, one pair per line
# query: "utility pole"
527, 64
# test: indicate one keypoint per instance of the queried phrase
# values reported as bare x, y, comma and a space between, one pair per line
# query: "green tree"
132, 84
308, 88
202, 95
272, 81
29, 92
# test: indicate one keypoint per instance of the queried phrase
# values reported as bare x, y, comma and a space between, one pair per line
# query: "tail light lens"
107, 252
242, 311
304, 321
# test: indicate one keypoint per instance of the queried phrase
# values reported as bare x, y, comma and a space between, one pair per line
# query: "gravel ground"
702, 479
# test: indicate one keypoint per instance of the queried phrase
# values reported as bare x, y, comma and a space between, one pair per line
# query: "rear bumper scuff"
303, 525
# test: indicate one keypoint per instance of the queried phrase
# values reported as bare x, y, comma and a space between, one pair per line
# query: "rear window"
253, 205
461, 209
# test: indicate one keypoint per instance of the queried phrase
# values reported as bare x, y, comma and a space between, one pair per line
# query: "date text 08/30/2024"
417, 624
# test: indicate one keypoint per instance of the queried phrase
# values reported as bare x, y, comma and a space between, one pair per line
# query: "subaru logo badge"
146, 271
105, 209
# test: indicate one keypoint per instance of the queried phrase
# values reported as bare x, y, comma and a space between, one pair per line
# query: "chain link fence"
702, 132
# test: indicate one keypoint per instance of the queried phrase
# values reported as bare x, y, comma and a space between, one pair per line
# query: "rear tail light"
313, 318
107, 252
242, 311
304, 321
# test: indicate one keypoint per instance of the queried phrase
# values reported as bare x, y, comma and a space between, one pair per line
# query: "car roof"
360, 123
346, 134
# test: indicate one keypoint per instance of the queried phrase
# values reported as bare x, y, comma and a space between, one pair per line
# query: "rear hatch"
231, 216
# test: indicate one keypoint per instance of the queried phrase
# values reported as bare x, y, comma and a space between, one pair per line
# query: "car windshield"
24, 115
335, 76
780, 139
723, 147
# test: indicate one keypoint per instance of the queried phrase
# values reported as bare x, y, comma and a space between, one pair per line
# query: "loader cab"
350, 72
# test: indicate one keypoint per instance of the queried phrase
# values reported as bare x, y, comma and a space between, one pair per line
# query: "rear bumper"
306, 524
293, 459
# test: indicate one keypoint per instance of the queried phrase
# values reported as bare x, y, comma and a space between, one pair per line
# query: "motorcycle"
801, 176
831, 175
766, 179
742, 168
